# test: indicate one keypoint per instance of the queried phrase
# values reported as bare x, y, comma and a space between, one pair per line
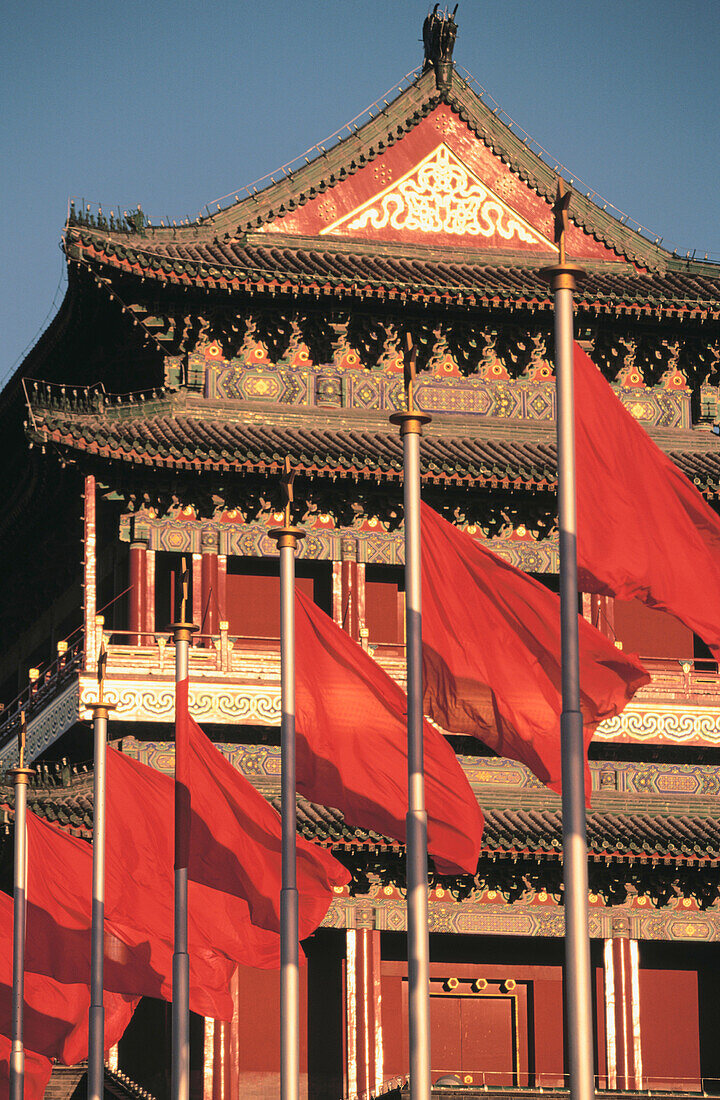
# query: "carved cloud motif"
440, 195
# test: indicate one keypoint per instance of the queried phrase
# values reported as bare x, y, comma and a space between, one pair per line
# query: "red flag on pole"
56, 1013
644, 531
235, 839
37, 1072
351, 721
138, 916
491, 653
216, 922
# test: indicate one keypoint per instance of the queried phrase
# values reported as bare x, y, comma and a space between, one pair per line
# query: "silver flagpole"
180, 1080
411, 424
96, 1039
20, 775
578, 986
287, 538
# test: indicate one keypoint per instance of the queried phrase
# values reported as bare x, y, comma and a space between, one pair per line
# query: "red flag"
138, 918
644, 531
37, 1072
55, 1022
491, 653
218, 921
235, 838
352, 746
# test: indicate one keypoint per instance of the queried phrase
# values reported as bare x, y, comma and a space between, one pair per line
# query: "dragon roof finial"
439, 33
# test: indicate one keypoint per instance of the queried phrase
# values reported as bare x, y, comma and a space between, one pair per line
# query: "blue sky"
176, 104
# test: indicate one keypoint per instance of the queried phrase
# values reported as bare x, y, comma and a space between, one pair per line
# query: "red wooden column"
221, 1058
622, 1009
138, 590
149, 595
352, 588
363, 1008
210, 622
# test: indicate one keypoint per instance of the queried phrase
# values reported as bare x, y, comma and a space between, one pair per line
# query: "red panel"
258, 1023
446, 1035
651, 633
488, 1031
441, 126
548, 1025
395, 1048
669, 1026
253, 604
383, 622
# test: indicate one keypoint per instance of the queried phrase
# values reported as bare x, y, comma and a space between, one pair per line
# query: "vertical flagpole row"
578, 985
411, 424
96, 1035
180, 1076
287, 538
20, 775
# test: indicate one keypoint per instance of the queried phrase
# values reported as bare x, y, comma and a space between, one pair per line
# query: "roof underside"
169, 436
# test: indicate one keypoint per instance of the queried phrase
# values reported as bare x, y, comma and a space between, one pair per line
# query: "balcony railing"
44, 684
256, 660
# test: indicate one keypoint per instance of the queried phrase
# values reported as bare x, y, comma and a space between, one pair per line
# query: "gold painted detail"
663, 724
441, 195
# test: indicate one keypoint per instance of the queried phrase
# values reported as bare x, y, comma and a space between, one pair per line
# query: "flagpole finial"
21, 773
560, 210
562, 275
287, 535
102, 665
183, 629
410, 421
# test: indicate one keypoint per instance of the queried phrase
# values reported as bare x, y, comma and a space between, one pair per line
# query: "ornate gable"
438, 185
441, 195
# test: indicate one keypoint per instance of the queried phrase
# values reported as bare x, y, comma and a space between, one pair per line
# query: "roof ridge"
330, 166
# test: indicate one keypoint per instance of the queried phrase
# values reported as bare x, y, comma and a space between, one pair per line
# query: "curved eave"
73, 444
689, 842
354, 274
125, 251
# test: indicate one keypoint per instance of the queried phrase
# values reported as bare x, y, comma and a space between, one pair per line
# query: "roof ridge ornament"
439, 33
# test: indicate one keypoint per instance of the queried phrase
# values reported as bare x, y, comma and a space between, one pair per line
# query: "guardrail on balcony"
44, 684
243, 659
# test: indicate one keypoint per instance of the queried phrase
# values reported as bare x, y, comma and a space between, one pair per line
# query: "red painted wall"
384, 609
651, 633
669, 1026
252, 594
483, 1037
259, 1031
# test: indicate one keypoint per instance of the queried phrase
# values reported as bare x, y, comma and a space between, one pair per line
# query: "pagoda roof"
186, 432
333, 226
66, 799
307, 266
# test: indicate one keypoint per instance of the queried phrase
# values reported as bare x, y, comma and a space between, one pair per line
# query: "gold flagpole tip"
409, 420
287, 535
21, 773
562, 275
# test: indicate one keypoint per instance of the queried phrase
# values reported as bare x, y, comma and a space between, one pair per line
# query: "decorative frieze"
375, 546
492, 918
659, 725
